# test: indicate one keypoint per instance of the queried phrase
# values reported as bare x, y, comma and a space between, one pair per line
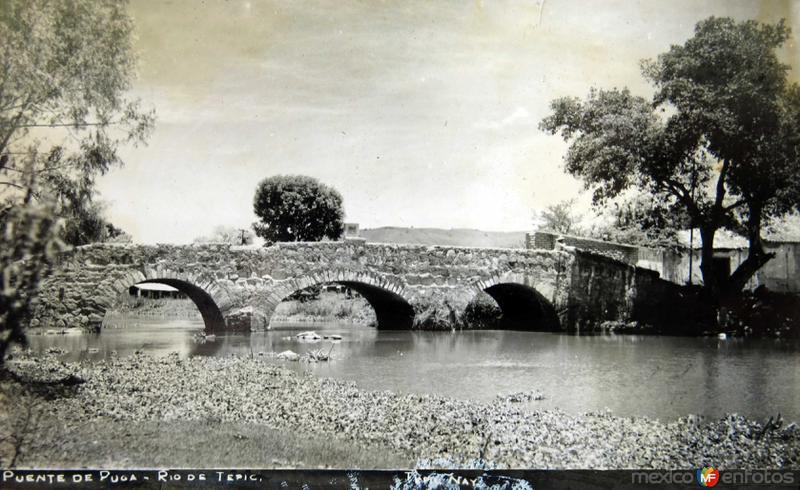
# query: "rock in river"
288, 355
308, 336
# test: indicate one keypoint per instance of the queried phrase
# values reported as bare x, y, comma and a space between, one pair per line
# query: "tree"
29, 243
65, 68
112, 234
644, 219
720, 138
84, 223
229, 235
787, 228
559, 217
297, 208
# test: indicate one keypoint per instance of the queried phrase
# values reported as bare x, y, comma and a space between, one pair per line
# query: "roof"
154, 286
725, 239
785, 230
722, 239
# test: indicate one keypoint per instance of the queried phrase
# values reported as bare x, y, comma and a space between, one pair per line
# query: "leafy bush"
482, 313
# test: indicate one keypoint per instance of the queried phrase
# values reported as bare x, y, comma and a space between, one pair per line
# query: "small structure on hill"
351, 233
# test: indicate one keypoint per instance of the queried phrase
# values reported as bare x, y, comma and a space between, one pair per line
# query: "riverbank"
682, 311
132, 308
687, 311
326, 306
170, 402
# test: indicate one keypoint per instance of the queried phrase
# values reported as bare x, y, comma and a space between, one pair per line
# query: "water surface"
659, 377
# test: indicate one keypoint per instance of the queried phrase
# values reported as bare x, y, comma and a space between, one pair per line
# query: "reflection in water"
664, 377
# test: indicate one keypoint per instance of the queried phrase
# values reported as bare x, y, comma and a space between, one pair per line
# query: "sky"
419, 113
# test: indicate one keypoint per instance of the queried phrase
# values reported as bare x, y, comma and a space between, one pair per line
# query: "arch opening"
523, 308
392, 311
205, 304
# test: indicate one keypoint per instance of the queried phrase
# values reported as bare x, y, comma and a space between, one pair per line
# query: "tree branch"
12, 184
13, 126
735, 205
44, 169
678, 190
67, 125
721, 185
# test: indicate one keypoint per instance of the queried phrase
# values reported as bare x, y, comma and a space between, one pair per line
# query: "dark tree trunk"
710, 281
756, 256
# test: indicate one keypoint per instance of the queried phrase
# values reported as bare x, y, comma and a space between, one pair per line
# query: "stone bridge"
238, 288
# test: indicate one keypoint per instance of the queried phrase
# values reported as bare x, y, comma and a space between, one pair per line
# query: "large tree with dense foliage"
65, 69
720, 137
297, 208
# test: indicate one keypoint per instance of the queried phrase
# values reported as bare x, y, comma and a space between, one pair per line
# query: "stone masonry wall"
603, 289
618, 251
88, 279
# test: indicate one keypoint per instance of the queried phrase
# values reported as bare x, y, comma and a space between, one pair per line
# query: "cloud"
419, 113
519, 117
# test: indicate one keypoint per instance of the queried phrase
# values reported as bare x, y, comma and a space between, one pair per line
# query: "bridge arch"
386, 295
522, 306
207, 295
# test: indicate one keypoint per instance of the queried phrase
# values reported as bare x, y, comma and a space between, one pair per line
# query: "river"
631, 375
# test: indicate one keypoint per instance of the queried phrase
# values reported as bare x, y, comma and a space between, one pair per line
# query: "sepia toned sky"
420, 113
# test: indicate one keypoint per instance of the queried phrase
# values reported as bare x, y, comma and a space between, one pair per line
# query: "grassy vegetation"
131, 306
244, 411
481, 313
328, 306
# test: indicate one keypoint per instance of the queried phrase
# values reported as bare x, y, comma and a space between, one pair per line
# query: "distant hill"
439, 236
